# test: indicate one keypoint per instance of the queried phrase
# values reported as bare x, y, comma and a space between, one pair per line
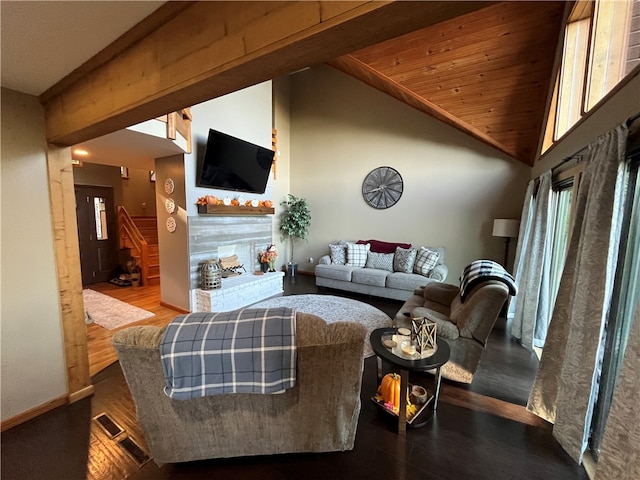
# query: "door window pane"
99, 206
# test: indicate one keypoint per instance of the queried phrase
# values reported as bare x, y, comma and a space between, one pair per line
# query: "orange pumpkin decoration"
268, 203
389, 390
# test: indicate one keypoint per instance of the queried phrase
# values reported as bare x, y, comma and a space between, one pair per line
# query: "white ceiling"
44, 41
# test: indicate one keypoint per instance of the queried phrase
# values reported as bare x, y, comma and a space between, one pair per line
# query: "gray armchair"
465, 326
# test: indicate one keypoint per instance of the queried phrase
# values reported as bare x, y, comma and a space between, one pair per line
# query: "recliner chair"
465, 325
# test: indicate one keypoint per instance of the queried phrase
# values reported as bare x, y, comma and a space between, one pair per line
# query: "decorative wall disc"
171, 224
169, 186
170, 205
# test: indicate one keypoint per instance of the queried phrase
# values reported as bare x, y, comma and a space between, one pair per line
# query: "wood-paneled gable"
487, 73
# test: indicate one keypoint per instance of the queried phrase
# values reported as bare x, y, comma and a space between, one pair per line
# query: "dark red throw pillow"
379, 246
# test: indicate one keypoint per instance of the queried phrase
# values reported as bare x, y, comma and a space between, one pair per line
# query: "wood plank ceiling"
487, 73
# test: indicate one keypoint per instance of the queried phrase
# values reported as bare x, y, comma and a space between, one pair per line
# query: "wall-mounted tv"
230, 163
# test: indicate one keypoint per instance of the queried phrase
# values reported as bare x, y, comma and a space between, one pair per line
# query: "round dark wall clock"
382, 187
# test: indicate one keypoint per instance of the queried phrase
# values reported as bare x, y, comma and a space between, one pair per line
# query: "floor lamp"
506, 228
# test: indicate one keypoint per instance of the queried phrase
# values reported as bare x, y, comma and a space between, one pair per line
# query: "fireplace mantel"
234, 210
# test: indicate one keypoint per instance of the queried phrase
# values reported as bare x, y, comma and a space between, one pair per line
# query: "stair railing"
128, 228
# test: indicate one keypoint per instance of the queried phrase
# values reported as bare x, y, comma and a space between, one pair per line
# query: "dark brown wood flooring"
472, 436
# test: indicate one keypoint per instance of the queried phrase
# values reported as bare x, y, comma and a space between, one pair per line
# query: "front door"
97, 234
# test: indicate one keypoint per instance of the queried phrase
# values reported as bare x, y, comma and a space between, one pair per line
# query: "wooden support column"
207, 49
67, 252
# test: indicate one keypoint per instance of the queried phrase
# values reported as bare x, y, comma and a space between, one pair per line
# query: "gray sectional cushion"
370, 276
382, 261
406, 281
335, 272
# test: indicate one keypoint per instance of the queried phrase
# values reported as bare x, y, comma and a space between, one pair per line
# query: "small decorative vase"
272, 265
264, 267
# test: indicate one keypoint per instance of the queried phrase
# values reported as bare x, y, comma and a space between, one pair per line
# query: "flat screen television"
230, 163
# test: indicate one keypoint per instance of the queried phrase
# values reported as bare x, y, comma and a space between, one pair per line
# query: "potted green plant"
294, 225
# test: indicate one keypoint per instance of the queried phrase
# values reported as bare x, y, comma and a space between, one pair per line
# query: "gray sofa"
320, 414
377, 282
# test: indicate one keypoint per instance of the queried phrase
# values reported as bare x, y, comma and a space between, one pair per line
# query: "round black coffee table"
434, 362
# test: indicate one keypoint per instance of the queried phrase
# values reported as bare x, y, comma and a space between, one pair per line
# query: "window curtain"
565, 387
620, 456
530, 311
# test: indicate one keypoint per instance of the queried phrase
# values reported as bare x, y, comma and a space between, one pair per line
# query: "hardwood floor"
471, 437
101, 352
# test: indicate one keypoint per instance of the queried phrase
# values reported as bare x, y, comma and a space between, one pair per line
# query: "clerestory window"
601, 46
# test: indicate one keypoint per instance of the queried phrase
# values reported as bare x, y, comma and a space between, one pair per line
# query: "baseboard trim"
304, 272
34, 412
80, 394
174, 307
589, 464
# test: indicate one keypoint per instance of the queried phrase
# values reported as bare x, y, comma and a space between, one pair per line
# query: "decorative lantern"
210, 275
423, 335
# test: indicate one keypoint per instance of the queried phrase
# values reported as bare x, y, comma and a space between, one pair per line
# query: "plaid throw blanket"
251, 350
481, 271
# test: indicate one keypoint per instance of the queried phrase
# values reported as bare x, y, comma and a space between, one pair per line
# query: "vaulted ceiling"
487, 73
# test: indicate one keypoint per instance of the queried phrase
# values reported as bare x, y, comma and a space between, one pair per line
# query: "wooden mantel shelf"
234, 210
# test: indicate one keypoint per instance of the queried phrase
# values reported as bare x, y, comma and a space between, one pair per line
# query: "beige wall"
174, 247
138, 193
33, 368
100, 175
454, 186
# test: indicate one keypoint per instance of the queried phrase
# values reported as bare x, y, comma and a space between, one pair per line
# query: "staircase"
147, 226
139, 235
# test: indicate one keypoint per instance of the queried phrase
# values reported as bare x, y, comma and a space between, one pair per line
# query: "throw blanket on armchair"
250, 350
481, 271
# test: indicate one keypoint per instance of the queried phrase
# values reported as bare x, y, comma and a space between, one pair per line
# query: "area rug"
109, 312
335, 309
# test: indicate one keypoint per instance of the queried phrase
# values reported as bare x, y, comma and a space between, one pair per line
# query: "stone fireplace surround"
245, 235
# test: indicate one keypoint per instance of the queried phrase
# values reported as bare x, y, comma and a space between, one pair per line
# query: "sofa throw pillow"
403, 259
338, 254
357, 254
381, 261
425, 261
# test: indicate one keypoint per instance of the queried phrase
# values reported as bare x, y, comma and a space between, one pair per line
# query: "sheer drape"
566, 384
531, 308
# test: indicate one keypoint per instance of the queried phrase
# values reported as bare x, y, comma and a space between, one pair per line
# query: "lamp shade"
506, 227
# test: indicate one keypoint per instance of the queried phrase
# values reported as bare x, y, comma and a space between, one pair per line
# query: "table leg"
402, 412
437, 392
379, 369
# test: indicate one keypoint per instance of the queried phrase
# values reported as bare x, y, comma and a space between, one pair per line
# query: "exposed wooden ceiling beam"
354, 67
212, 48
